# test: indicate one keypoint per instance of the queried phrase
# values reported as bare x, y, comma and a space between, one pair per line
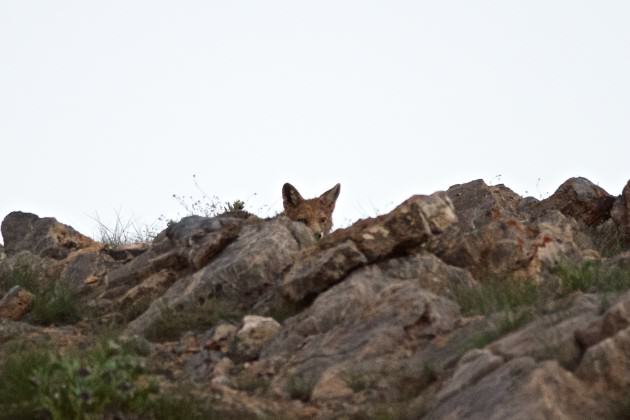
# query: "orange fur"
316, 213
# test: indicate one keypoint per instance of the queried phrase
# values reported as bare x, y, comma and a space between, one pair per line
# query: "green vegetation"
516, 302
591, 277
300, 387
360, 381
53, 303
172, 323
38, 383
251, 383
108, 380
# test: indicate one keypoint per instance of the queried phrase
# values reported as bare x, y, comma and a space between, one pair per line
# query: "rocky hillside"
473, 303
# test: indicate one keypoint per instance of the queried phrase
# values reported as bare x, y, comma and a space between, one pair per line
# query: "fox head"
316, 213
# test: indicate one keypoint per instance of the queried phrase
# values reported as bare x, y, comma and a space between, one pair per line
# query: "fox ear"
330, 196
290, 196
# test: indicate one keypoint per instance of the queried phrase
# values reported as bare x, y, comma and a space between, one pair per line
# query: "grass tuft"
173, 323
54, 303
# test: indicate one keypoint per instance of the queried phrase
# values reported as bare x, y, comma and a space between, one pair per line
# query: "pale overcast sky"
113, 105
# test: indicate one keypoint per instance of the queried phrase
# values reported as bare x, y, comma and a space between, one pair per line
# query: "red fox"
316, 213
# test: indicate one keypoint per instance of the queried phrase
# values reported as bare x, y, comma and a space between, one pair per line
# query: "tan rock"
221, 337
398, 232
472, 366
621, 213
522, 390
606, 365
16, 303
254, 333
331, 386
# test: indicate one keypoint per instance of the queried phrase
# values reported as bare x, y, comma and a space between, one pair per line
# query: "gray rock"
524, 390
581, 199
240, 274
397, 233
45, 237
368, 324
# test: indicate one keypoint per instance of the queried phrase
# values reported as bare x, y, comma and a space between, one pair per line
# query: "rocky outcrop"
15, 303
621, 213
392, 317
371, 322
45, 237
401, 231
581, 199
247, 268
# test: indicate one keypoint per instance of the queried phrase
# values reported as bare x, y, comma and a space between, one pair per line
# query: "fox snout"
316, 213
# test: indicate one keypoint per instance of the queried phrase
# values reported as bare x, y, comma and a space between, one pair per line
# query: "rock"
244, 271
254, 333
16, 303
606, 365
396, 233
511, 247
477, 204
581, 199
522, 389
472, 366
615, 319
552, 335
368, 324
620, 213
45, 237
331, 386
310, 276
222, 338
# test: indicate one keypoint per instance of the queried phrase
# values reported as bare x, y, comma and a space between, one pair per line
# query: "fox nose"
318, 235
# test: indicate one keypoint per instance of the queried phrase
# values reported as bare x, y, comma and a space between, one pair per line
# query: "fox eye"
302, 220
322, 220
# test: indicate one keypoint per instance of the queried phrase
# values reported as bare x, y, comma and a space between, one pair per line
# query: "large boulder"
477, 204
511, 247
518, 389
581, 199
241, 265
45, 236
621, 213
399, 232
15, 303
363, 329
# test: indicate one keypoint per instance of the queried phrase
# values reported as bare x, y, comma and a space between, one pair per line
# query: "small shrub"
173, 323
72, 386
358, 381
496, 295
207, 206
251, 383
591, 276
53, 302
300, 387
125, 232
506, 323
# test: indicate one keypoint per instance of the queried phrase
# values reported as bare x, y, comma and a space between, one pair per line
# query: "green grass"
108, 380
53, 302
173, 323
591, 277
300, 387
496, 295
516, 302
506, 323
